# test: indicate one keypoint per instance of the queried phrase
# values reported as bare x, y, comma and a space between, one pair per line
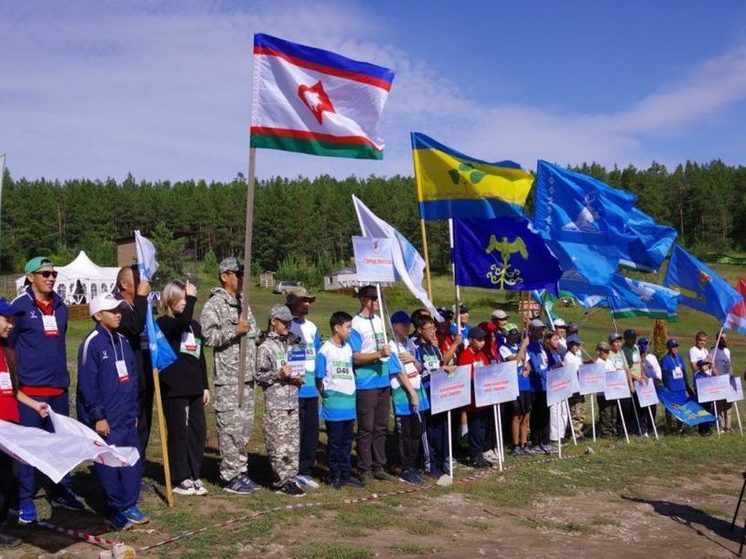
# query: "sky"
162, 89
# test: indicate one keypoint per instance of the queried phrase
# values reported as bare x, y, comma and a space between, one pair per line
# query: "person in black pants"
184, 388
134, 291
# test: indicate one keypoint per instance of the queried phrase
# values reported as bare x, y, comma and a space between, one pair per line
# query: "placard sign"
711, 389
448, 392
496, 383
592, 378
646, 393
374, 262
617, 386
736, 390
560, 384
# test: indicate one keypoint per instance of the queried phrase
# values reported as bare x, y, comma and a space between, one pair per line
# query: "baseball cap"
400, 317
511, 326
559, 323
38, 263
702, 362
536, 323
230, 264
6, 309
673, 342
104, 302
614, 336
603, 346
477, 333
573, 340
280, 312
298, 294
462, 308
499, 314
572, 327
630, 334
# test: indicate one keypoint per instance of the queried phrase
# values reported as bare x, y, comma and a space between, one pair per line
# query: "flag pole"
423, 230
163, 435
2, 176
248, 237
456, 290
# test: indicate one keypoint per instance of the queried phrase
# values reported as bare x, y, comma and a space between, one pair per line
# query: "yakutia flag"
315, 101
737, 316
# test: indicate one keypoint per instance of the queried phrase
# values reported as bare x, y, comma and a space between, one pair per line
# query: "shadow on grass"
702, 523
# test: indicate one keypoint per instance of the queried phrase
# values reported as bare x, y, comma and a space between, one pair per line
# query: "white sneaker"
490, 456
199, 487
186, 487
306, 482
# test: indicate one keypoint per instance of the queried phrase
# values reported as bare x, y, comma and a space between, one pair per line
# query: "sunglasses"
371, 297
46, 274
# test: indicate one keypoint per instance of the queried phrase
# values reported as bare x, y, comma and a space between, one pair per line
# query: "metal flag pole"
717, 422
501, 442
559, 437
248, 237
497, 438
569, 420
593, 417
456, 290
652, 422
450, 445
624, 423
738, 417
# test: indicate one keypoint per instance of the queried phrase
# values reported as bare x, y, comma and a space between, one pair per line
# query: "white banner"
374, 262
592, 378
146, 261
736, 390
617, 386
448, 392
56, 454
711, 389
646, 393
561, 384
496, 383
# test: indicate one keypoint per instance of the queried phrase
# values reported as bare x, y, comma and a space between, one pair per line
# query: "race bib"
190, 344
413, 375
342, 379
677, 373
50, 325
6, 386
378, 336
122, 371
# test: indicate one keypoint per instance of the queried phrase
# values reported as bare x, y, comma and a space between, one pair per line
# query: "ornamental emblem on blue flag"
506, 274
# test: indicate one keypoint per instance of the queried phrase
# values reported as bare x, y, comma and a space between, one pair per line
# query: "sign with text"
592, 378
646, 393
374, 261
617, 386
711, 389
736, 390
448, 392
495, 384
561, 384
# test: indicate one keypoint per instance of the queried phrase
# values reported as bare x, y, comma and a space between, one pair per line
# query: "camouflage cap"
298, 294
230, 264
280, 312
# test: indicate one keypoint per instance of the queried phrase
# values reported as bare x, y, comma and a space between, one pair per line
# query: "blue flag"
161, 354
588, 295
504, 253
650, 244
683, 407
701, 288
596, 262
630, 297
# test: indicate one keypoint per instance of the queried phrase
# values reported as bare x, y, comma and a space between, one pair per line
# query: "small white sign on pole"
736, 390
495, 384
374, 261
646, 394
560, 384
712, 389
617, 386
450, 391
592, 378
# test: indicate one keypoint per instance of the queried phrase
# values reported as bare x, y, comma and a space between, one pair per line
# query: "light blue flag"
587, 294
161, 354
630, 297
700, 287
146, 263
650, 245
596, 262
581, 206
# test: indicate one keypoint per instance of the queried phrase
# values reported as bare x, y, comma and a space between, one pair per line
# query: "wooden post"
164, 435
423, 230
248, 236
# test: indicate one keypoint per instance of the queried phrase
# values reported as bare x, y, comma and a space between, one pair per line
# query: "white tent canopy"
80, 280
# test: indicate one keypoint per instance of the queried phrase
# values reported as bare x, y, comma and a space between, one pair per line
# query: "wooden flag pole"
423, 230
163, 435
248, 237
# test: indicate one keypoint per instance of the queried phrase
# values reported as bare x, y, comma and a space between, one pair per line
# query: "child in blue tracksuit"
107, 403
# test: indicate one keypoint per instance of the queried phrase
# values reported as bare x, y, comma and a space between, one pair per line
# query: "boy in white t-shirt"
698, 352
720, 357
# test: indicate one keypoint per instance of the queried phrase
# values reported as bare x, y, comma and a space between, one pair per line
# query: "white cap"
559, 322
104, 302
499, 314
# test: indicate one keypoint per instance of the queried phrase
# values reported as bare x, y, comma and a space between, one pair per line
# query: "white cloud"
163, 90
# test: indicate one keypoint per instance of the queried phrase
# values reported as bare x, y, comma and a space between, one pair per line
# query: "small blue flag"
683, 407
701, 288
161, 354
504, 253
650, 245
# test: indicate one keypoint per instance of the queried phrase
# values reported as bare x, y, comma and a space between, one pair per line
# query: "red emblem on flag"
316, 100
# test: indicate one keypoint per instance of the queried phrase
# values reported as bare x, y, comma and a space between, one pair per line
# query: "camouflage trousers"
282, 436
234, 427
577, 413
608, 411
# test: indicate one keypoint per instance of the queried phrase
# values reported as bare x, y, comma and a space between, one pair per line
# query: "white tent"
80, 280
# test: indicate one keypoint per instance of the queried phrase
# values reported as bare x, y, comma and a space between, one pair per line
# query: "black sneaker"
354, 482
291, 488
6, 540
479, 462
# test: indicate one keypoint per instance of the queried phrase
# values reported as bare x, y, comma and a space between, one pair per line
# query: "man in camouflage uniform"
280, 382
223, 329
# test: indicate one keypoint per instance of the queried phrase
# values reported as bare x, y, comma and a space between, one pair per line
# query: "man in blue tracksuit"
107, 403
39, 342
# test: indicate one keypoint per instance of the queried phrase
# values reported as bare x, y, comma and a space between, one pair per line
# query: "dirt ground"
690, 519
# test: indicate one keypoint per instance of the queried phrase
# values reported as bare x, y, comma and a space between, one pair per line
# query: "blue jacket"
101, 392
42, 360
539, 367
668, 366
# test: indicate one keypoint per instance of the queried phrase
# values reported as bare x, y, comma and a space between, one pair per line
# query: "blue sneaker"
249, 483
27, 514
66, 499
119, 521
135, 515
410, 476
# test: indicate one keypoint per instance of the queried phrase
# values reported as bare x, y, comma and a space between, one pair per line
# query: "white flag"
145, 257
56, 454
409, 265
